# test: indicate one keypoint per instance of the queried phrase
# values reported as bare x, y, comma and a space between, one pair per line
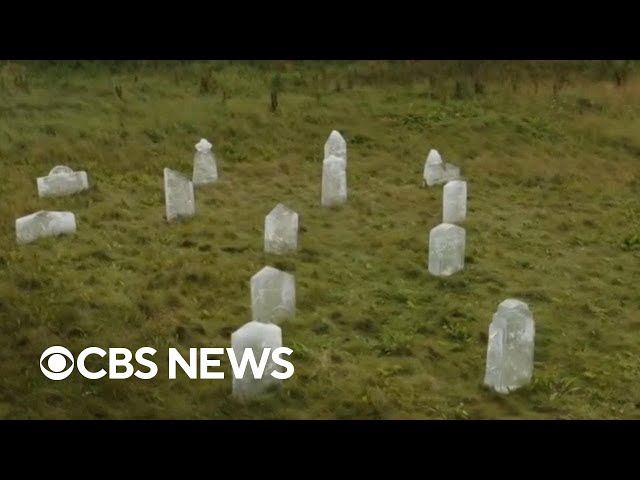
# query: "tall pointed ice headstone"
205, 168
62, 181
44, 224
446, 249
433, 168
334, 182
336, 146
258, 337
281, 230
273, 296
454, 202
510, 347
178, 195
437, 172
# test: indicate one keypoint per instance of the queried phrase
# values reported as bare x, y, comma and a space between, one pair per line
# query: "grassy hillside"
553, 164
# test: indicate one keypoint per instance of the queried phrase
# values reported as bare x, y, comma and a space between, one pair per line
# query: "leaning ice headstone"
281, 230
178, 195
44, 224
62, 181
205, 169
454, 202
336, 146
257, 336
510, 347
451, 172
446, 249
334, 181
273, 296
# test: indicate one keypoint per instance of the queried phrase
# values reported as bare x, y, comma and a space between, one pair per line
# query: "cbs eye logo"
54, 367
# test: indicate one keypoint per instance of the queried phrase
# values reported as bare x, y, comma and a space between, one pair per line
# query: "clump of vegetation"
14, 75
276, 85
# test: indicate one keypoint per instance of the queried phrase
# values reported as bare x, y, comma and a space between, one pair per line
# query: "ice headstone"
446, 249
205, 168
433, 168
510, 347
454, 202
62, 181
281, 230
178, 195
257, 336
273, 296
58, 169
334, 181
44, 224
437, 172
336, 146
451, 172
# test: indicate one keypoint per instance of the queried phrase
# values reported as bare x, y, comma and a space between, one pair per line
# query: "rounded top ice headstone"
281, 209
256, 336
446, 227
514, 312
60, 170
510, 347
514, 305
254, 331
203, 145
454, 201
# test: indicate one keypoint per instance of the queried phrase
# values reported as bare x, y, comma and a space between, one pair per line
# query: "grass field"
553, 170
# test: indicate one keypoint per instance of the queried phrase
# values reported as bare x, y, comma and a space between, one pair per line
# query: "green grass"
554, 219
